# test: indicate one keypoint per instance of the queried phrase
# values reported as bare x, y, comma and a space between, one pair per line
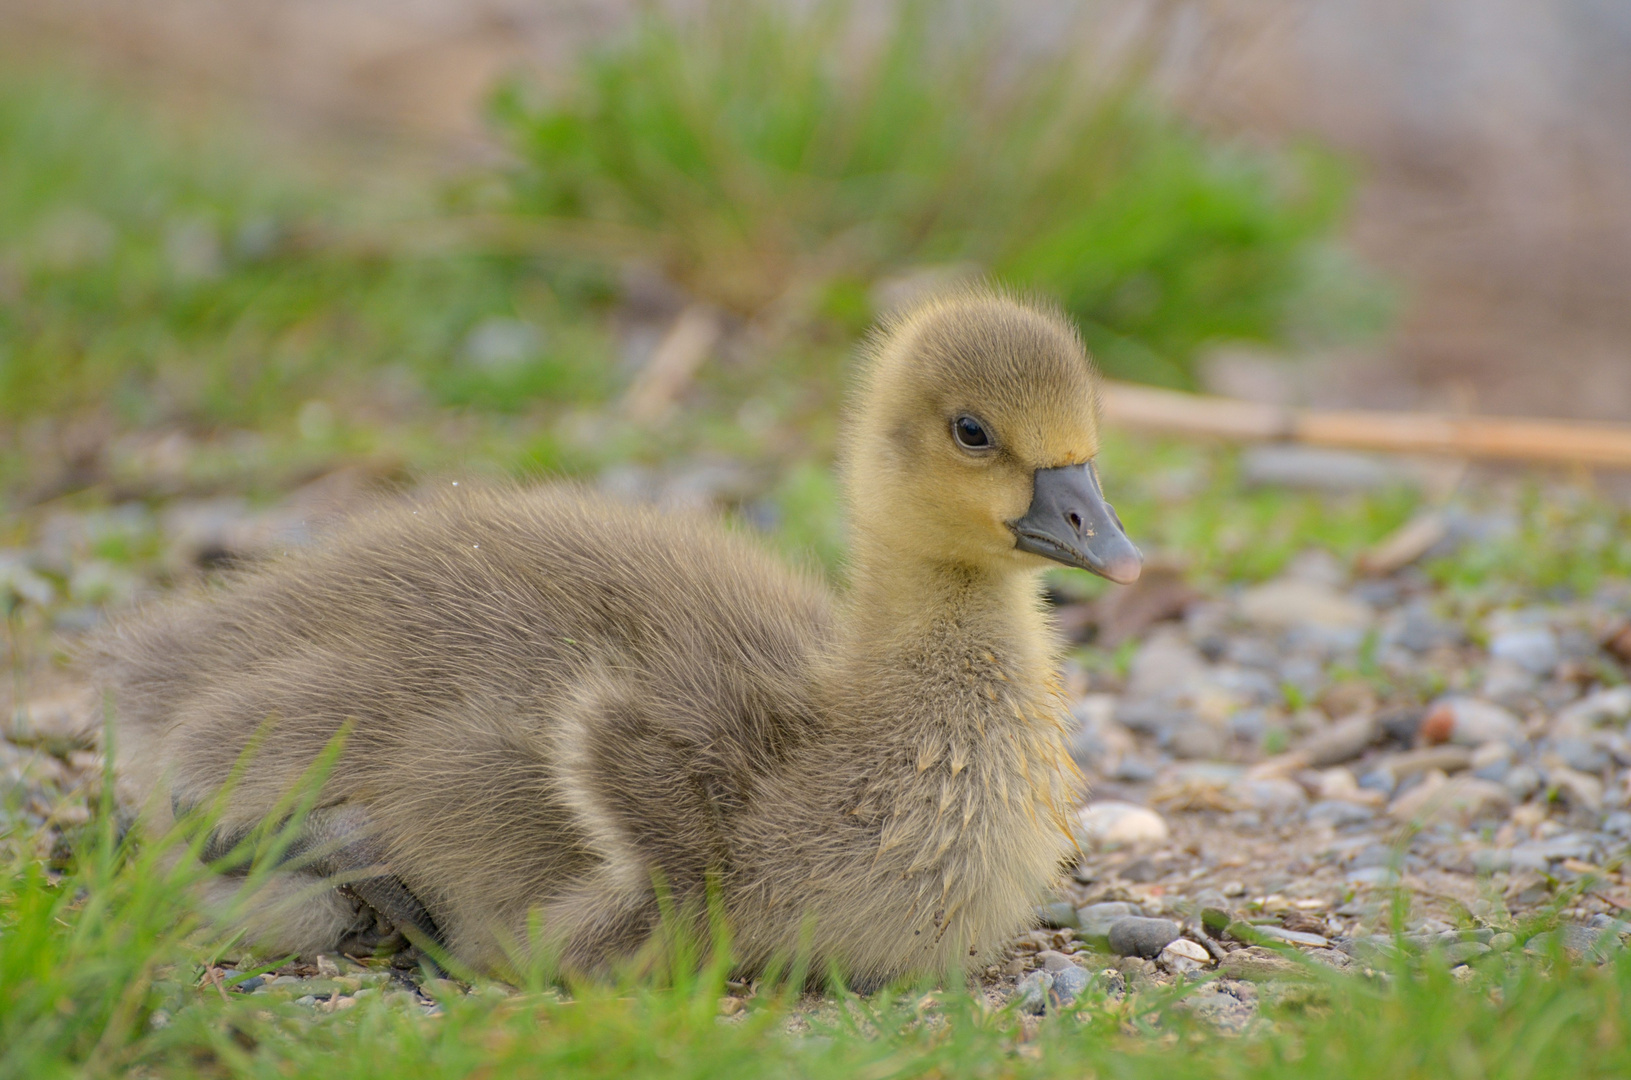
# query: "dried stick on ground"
1560, 442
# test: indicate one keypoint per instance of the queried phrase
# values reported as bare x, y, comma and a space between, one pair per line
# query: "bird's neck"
924, 631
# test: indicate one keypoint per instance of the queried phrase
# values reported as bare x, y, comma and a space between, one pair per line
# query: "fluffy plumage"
555, 700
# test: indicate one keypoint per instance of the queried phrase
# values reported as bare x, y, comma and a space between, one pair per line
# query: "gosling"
561, 713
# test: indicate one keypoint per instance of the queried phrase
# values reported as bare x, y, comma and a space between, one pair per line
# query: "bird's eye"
970, 433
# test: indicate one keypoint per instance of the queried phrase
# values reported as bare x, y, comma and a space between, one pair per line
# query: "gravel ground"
1271, 767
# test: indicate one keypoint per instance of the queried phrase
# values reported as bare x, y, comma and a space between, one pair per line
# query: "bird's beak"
1069, 522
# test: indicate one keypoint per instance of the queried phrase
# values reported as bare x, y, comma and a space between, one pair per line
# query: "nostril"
1075, 520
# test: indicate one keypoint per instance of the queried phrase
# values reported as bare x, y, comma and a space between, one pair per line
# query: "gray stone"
1068, 984
1318, 468
1053, 961
1533, 648
1292, 602
1338, 813
1271, 796
1603, 707
1131, 770
1462, 951
1134, 936
1474, 722
1031, 995
1381, 780
1195, 739
1342, 741
1522, 781
1166, 666
1095, 920
1373, 876
1580, 754
1058, 915
1113, 824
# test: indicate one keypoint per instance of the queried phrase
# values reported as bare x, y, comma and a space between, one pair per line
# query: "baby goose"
559, 706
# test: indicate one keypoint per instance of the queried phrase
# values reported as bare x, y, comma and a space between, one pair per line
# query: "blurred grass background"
752, 156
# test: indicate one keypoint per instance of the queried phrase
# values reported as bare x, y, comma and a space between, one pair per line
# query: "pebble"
1294, 602
1068, 984
1612, 706
1271, 795
1462, 951
1189, 950
1461, 800
1470, 722
1113, 824
1061, 914
1136, 936
1341, 742
1533, 648
1338, 813
1053, 960
1095, 920
1031, 995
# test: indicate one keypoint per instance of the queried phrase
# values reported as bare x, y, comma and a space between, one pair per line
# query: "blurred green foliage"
776, 162
167, 277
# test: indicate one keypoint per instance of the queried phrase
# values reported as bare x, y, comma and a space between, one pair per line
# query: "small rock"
1031, 995
1271, 795
1194, 739
1134, 936
1462, 951
1058, 915
1112, 824
1533, 648
1447, 759
1373, 876
1611, 706
1342, 741
1053, 960
1522, 781
1338, 813
1291, 602
1096, 919
1580, 755
1576, 788
1461, 800
1140, 872
1188, 950
1164, 667
1502, 941
1470, 722
1068, 984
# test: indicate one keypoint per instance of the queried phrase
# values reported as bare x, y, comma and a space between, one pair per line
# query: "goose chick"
556, 707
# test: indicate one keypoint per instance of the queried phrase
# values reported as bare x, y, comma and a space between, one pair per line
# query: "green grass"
102, 962
154, 274
777, 169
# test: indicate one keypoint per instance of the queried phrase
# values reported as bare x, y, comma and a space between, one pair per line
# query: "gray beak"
1069, 522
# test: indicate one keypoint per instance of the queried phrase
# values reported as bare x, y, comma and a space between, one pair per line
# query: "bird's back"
514, 670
